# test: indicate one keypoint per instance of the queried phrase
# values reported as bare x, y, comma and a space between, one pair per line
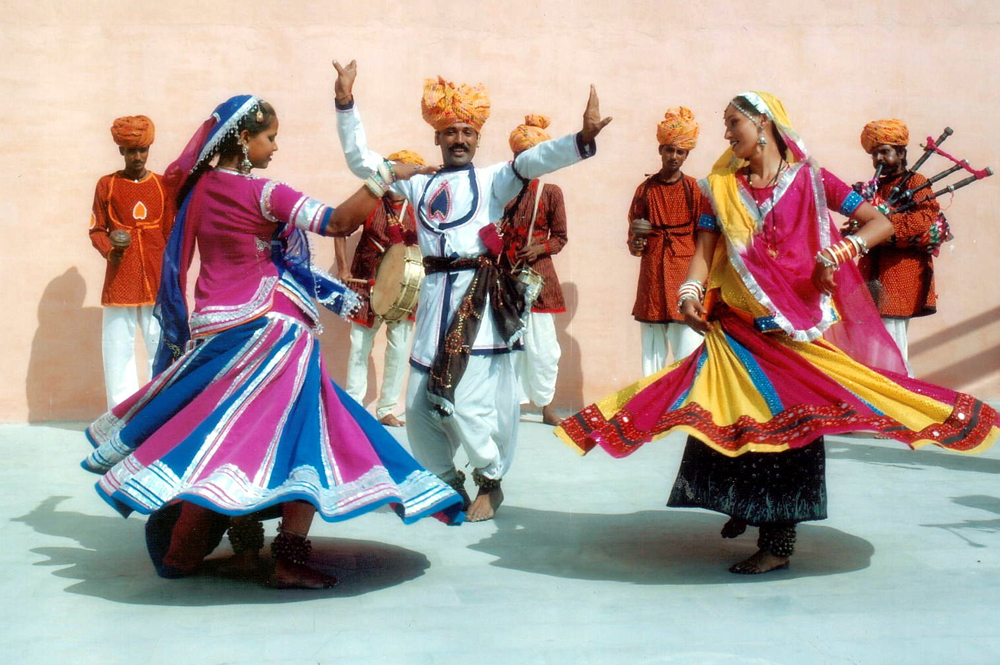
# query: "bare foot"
549, 416
485, 506
244, 564
289, 575
760, 562
391, 420
733, 528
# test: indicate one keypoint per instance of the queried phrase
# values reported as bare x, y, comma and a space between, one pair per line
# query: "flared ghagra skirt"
250, 418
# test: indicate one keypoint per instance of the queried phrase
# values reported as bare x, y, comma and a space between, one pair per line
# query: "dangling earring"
762, 140
245, 165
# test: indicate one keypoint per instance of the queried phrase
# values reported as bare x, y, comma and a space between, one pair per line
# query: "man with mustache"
899, 273
129, 226
662, 222
462, 387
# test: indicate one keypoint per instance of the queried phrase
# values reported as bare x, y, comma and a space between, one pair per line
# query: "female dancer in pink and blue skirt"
242, 419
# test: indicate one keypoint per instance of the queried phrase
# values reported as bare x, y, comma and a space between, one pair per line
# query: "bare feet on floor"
760, 562
485, 506
391, 421
733, 528
245, 564
549, 416
288, 575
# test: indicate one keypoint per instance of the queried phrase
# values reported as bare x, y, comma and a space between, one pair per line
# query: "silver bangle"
823, 261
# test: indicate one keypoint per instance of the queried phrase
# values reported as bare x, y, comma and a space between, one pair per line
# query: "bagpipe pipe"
902, 200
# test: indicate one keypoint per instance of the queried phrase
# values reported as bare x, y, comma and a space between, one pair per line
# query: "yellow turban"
884, 132
445, 104
407, 157
133, 131
531, 133
678, 128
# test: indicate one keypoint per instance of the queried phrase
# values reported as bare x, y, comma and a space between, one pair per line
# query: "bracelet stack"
844, 251
690, 289
381, 179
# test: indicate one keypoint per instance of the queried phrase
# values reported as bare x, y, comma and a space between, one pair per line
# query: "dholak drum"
397, 282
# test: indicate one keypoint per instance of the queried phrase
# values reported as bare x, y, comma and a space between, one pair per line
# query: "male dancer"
534, 229
462, 388
662, 222
390, 223
901, 278
129, 226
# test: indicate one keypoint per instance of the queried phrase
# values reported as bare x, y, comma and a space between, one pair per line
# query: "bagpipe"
902, 199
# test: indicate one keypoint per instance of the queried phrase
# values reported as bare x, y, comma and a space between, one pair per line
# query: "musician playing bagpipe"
900, 272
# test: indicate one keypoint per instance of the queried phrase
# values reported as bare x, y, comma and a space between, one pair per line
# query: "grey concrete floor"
583, 564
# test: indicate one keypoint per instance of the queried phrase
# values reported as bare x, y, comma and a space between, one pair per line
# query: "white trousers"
659, 338
538, 365
897, 330
121, 379
484, 423
397, 348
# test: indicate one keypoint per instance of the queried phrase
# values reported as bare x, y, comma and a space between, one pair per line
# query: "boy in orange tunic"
662, 221
129, 226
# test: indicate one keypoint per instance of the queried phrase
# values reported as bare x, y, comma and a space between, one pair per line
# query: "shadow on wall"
65, 373
978, 365
569, 385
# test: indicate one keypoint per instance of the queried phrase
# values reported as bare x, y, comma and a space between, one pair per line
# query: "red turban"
531, 133
444, 104
133, 131
678, 128
884, 132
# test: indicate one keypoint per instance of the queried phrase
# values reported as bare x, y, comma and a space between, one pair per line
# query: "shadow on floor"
111, 563
967, 529
893, 453
655, 547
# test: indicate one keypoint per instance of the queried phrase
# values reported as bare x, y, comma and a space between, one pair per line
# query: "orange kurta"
672, 210
143, 209
906, 274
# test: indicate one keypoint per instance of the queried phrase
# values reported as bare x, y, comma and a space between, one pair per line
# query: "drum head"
388, 279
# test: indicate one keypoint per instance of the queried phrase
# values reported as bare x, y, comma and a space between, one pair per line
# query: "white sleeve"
362, 161
546, 157
353, 141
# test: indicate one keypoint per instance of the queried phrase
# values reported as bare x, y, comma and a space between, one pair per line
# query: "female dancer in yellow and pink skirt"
793, 349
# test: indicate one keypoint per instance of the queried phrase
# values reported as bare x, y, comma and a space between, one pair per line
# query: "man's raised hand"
592, 121
344, 86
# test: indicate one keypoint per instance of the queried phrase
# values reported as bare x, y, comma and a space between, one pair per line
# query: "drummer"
462, 388
129, 225
389, 224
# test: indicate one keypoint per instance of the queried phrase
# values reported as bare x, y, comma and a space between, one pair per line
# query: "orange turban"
678, 128
445, 104
133, 131
884, 132
407, 157
531, 133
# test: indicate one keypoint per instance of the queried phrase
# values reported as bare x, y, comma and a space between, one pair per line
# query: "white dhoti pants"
121, 379
397, 335
660, 338
897, 330
538, 365
484, 423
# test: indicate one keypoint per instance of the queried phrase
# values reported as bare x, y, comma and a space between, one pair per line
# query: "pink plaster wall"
69, 68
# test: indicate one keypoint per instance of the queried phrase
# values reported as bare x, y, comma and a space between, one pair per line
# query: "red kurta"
906, 274
372, 244
143, 209
550, 232
673, 211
